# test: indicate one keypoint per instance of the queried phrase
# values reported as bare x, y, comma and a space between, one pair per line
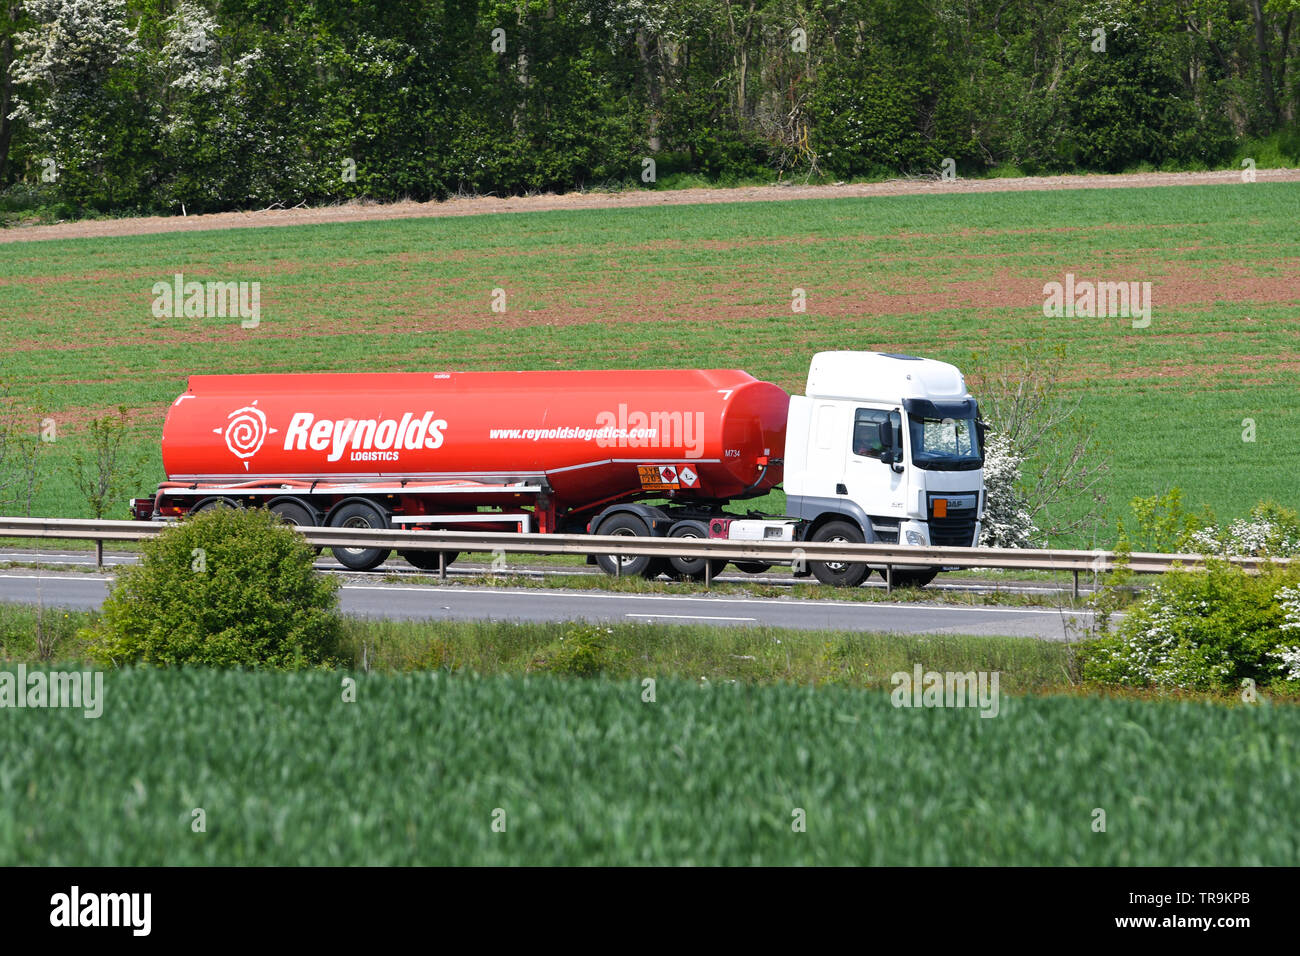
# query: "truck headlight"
916, 539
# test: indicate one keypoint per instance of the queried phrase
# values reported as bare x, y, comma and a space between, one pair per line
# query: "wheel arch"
817, 511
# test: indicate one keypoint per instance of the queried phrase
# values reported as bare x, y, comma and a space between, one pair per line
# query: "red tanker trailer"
544, 451
883, 448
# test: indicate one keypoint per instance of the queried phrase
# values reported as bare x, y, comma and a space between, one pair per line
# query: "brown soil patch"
415, 312
362, 212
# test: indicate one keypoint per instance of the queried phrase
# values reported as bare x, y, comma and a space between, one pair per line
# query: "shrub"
583, 651
1163, 523
226, 588
1270, 530
1202, 630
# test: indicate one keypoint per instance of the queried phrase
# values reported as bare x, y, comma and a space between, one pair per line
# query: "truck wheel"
839, 573
294, 512
218, 501
359, 515
626, 525
427, 560
753, 567
692, 569
914, 578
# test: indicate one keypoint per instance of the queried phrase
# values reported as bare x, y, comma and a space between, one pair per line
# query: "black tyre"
360, 515
626, 525
839, 573
294, 512
427, 560
753, 567
914, 577
693, 569
217, 501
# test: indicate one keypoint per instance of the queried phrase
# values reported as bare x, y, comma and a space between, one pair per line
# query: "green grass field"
417, 769
957, 277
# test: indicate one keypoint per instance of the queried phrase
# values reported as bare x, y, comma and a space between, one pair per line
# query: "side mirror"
891, 454
886, 439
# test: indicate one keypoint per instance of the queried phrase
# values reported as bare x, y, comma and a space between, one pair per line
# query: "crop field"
956, 277
419, 767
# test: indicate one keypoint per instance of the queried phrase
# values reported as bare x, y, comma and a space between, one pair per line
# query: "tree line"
157, 105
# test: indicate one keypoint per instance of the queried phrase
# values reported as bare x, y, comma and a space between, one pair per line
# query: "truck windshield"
944, 443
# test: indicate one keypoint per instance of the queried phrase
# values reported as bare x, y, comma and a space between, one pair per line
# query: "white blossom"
1007, 522
1259, 534
65, 57
191, 54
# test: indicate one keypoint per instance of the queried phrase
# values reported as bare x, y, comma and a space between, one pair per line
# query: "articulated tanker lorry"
882, 448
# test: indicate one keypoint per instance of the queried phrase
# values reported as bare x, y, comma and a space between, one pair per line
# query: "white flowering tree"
1288, 657
74, 80
1061, 470
1007, 521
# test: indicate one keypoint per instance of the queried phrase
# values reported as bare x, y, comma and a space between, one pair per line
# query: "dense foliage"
1205, 630
226, 588
119, 105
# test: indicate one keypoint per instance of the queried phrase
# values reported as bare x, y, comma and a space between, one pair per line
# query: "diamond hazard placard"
659, 477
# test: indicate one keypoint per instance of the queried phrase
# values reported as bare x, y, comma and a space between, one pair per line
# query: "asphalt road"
455, 602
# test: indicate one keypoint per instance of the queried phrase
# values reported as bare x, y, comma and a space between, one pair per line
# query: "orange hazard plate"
658, 477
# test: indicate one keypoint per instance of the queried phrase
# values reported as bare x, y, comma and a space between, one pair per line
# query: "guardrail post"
442, 565
1076, 584
708, 572
889, 579
99, 552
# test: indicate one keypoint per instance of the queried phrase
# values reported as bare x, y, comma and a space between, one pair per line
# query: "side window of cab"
866, 432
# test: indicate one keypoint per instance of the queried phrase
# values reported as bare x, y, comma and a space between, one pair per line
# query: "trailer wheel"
216, 501
692, 569
359, 515
753, 567
627, 525
839, 573
294, 512
427, 560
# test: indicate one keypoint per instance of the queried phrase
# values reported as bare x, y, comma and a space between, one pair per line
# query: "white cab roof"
877, 376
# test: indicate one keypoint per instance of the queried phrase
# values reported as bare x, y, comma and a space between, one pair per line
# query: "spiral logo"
245, 431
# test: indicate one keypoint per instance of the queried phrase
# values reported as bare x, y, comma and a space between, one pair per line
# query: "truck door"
826, 451
868, 480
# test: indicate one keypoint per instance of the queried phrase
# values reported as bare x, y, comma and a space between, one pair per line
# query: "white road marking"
61, 577
695, 617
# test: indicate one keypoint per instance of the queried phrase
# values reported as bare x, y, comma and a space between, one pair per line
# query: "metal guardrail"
889, 556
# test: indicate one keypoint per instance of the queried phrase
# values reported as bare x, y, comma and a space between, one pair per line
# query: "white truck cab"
884, 448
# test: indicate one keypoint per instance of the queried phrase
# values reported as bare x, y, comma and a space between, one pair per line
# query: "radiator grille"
957, 530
